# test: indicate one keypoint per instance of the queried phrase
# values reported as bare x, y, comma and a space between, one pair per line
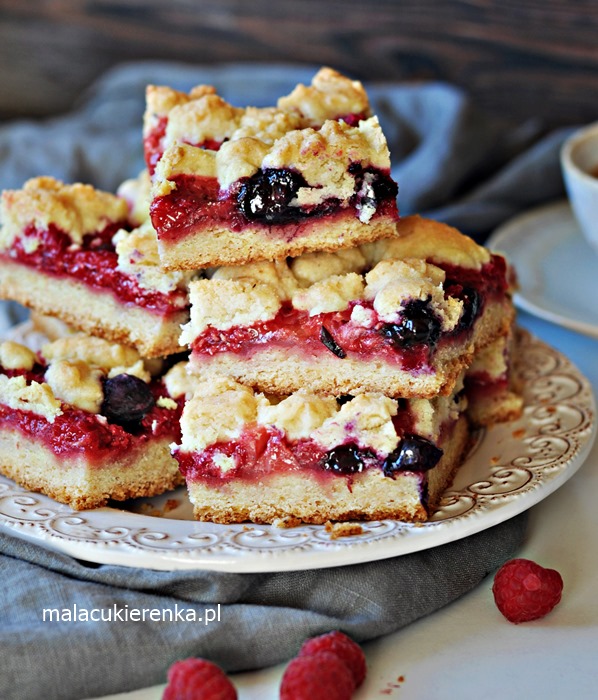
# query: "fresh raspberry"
344, 647
198, 679
323, 676
524, 590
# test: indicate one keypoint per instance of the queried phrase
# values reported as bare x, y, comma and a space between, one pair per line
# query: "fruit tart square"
252, 200
247, 456
403, 316
89, 258
84, 421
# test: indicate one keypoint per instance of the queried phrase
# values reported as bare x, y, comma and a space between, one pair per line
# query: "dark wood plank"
518, 59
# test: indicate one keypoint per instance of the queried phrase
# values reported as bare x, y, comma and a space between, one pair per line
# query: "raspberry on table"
323, 676
524, 590
344, 647
198, 679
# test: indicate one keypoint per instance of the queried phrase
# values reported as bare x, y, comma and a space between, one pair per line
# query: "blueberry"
471, 306
345, 459
414, 454
266, 195
418, 326
127, 400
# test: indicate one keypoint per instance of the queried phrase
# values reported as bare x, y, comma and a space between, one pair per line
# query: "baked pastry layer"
355, 320
92, 311
254, 200
84, 421
68, 251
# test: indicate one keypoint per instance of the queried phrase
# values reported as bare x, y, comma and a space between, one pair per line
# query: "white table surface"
468, 650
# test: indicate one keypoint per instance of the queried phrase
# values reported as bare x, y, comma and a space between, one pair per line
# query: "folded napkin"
451, 163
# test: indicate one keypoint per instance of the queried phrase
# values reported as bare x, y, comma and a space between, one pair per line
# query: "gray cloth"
451, 163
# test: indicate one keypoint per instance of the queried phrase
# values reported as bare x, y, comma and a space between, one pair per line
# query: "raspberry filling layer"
78, 433
94, 262
261, 451
410, 344
265, 199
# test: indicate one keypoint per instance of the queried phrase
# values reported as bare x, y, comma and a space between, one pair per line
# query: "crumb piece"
337, 530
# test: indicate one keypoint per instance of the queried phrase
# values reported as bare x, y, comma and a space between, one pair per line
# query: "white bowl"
579, 163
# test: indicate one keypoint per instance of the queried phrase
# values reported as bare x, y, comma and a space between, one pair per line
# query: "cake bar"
84, 421
403, 317
69, 251
313, 458
253, 200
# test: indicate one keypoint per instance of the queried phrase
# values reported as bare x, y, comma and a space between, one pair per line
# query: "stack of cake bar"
250, 315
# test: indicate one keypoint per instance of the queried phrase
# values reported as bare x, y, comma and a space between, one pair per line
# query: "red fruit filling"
409, 344
264, 199
78, 433
94, 263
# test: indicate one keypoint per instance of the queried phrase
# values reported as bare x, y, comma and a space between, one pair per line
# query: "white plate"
511, 467
555, 266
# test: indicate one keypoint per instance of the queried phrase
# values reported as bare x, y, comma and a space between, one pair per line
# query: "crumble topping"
76, 383
277, 274
137, 194
166, 402
366, 420
91, 350
492, 360
315, 267
392, 283
330, 95
430, 240
226, 303
138, 257
160, 99
233, 404
298, 415
331, 294
180, 160
208, 117
178, 381
35, 397
76, 209
16, 356
266, 124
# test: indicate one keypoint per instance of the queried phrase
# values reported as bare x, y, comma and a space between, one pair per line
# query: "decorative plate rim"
511, 467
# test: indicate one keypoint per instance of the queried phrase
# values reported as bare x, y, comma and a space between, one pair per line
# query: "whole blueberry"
127, 400
266, 195
344, 459
414, 454
418, 326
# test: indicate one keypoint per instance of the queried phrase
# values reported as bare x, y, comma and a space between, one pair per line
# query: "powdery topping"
76, 209
16, 356
138, 257
35, 397
76, 383
330, 95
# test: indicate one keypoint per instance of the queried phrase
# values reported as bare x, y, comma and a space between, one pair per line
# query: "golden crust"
303, 497
75, 209
146, 471
91, 311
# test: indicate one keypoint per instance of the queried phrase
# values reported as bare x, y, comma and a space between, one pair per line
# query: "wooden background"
519, 59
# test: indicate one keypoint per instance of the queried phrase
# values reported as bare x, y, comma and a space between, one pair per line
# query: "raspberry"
344, 647
198, 679
524, 590
323, 676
